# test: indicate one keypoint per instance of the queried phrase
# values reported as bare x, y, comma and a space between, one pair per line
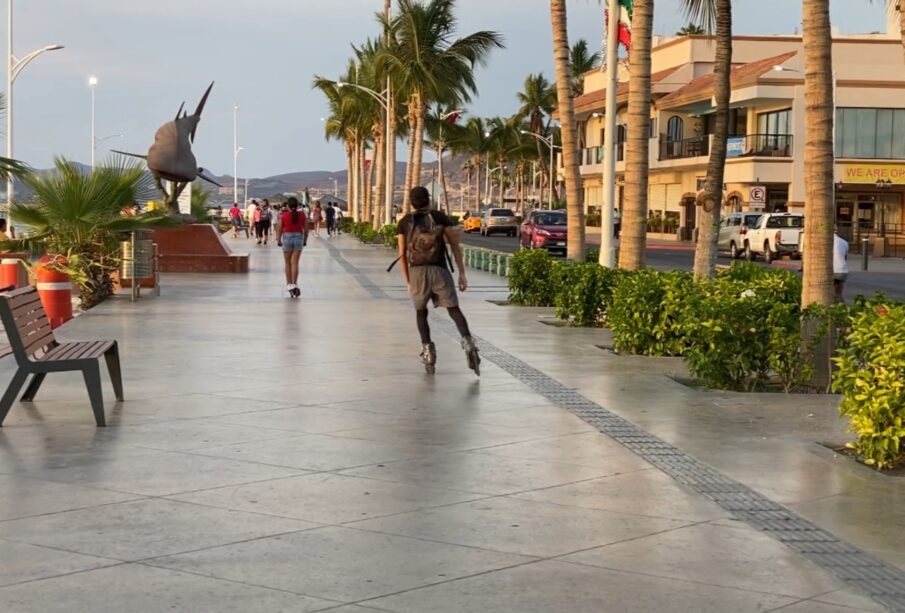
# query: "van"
734, 229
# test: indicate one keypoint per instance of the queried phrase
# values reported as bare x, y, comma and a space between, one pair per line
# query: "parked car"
472, 223
496, 221
544, 229
775, 234
734, 232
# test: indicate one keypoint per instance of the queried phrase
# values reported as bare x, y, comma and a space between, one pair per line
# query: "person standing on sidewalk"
840, 265
291, 237
317, 216
423, 236
266, 219
235, 216
330, 214
251, 211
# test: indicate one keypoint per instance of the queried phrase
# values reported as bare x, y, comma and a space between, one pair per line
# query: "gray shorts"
293, 241
433, 283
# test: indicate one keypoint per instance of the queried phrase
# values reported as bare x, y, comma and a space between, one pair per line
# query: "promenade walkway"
278, 455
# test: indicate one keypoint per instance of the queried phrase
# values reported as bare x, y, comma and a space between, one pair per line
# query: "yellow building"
765, 164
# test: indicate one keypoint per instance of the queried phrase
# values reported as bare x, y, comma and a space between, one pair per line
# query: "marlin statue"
170, 158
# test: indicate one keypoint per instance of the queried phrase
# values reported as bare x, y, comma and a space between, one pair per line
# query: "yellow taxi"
472, 223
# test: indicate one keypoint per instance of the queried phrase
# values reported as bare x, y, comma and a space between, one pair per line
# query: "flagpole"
607, 257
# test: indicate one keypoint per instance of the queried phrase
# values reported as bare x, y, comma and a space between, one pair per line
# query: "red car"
544, 229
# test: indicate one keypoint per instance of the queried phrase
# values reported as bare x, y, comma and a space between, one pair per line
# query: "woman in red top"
291, 237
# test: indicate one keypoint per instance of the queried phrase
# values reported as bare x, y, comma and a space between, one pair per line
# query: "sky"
150, 55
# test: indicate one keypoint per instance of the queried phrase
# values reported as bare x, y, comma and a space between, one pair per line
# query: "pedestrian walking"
840, 265
235, 216
330, 214
339, 218
251, 212
276, 221
317, 216
259, 229
423, 237
291, 236
266, 219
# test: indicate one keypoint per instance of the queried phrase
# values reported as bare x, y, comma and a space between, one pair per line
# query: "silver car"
733, 232
499, 221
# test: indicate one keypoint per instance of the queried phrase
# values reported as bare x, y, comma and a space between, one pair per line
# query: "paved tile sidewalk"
278, 455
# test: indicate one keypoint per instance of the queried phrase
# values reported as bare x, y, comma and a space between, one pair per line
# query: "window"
501, 213
786, 221
775, 123
674, 128
870, 133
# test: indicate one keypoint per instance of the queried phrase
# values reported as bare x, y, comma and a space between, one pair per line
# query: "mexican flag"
625, 23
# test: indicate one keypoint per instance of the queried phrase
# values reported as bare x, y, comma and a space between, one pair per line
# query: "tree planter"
55, 290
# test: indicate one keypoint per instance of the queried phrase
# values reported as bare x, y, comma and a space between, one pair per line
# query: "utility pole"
607, 256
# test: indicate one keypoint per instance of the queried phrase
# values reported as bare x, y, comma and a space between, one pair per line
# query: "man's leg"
458, 318
423, 327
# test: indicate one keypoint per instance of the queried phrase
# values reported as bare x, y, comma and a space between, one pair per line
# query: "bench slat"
26, 310
39, 341
24, 298
33, 326
77, 351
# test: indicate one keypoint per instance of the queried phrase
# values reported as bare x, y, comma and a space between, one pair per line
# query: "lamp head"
53, 47
92, 81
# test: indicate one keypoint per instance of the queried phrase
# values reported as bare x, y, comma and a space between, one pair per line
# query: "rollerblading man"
423, 237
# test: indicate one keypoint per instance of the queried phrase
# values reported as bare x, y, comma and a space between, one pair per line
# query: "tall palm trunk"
706, 249
633, 238
574, 204
359, 181
368, 189
412, 119
391, 144
818, 154
351, 156
421, 109
379, 184
442, 172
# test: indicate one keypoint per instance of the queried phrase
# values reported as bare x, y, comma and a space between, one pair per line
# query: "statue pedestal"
197, 248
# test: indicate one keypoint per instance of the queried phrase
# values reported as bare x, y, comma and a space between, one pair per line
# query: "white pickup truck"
775, 235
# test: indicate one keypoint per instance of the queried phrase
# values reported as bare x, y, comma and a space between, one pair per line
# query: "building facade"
765, 163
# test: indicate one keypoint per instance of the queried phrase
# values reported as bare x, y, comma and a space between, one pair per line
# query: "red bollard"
55, 291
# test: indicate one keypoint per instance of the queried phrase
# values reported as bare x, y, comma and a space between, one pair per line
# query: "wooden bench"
37, 353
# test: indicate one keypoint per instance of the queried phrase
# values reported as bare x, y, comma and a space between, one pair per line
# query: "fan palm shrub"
77, 217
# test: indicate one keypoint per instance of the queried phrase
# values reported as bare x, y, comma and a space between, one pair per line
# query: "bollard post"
865, 247
505, 272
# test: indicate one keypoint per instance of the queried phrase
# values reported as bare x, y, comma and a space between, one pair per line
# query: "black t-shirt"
440, 218
330, 213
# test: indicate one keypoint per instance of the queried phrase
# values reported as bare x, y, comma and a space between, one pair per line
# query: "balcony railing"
594, 155
761, 145
686, 148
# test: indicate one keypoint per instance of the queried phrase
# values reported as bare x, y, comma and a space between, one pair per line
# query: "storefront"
869, 200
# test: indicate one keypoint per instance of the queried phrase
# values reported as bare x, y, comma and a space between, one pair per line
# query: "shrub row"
737, 331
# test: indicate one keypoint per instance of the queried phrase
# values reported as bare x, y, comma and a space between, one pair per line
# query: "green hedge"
531, 280
647, 311
389, 236
583, 292
871, 379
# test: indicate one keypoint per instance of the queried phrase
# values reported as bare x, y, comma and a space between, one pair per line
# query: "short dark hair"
420, 197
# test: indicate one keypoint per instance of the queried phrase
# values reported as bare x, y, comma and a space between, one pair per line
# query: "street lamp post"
549, 142
236, 150
443, 118
97, 141
15, 66
92, 83
390, 163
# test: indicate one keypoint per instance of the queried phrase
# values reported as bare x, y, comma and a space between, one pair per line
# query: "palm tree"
633, 237
570, 154
818, 154
472, 139
692, 28
428, 64
78, 216
581, 60
710, 13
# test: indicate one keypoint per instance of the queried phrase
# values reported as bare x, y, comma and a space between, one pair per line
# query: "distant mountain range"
316, 181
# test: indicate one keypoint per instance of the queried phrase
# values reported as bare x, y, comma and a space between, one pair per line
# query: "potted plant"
76, 217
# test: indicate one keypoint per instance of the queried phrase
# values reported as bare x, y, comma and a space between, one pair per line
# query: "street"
888, 276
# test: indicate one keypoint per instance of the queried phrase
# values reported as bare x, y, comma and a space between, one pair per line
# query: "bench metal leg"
92, 374
12, 391
116, 376
33, 387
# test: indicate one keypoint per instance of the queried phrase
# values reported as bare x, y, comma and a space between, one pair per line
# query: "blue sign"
735, 146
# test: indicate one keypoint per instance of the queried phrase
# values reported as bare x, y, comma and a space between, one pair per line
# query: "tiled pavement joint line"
884, 582
363, 280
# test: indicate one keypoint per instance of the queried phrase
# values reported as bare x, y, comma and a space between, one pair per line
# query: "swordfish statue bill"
170, 158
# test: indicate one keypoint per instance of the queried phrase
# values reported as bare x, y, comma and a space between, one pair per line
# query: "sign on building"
757, 196
735, 146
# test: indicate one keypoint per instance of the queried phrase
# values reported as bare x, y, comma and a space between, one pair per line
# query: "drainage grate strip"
884, 582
